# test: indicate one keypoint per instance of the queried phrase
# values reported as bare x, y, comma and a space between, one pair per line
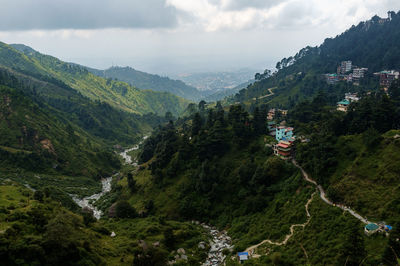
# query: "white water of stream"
88, 202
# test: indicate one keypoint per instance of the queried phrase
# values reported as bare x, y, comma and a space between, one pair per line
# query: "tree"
197, 124
131, 183
202, 106
391, 256
259, 122
169, 116
353, 249
124, 210
38, 195
169, 238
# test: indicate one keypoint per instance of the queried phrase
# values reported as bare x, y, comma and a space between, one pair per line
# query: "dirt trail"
252, 249
265, 96
326, 200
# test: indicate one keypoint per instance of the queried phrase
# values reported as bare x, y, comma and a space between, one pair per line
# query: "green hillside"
36, 230
219, 168
374, 44
148, 81
34, 139
116, 93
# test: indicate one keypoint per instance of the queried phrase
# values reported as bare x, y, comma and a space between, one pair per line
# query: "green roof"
344, 102
371, 227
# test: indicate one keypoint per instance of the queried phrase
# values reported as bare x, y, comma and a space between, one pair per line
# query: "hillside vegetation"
116, 93
373, 44
148, 81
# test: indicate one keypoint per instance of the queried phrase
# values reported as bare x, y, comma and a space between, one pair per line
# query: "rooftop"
371, 227
344, 102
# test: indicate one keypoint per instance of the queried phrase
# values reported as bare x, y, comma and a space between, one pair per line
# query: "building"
358, 74
243, 256
387, 77
283, 149
351, 97
271, 126
283, 112
370, 229
284, 133
343, 105
332, 78
345, 66
271, 114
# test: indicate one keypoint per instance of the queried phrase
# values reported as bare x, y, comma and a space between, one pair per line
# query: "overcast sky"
180, 36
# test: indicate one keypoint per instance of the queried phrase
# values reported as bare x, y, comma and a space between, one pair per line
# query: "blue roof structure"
344, 102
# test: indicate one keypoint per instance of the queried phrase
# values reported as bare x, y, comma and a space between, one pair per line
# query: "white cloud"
215, 15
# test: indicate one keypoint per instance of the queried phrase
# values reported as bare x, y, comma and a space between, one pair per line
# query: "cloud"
217, 15
244, 4
86, 14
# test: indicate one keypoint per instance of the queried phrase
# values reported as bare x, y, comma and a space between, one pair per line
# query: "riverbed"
219, 242
88, 202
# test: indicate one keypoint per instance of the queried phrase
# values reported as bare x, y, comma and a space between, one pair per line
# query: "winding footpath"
252, 250
325, 199
265, 96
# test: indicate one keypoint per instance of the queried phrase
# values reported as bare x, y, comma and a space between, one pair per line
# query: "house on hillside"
271, 114
370, 229
358, 74
331, 78
345, 66
284, 133
243, 256
343, 105
351, 97
283, 149
271, 126
386, 77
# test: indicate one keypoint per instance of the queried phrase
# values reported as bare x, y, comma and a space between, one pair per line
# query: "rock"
202, 245
181, 251
156, 244
184, 257
113, 234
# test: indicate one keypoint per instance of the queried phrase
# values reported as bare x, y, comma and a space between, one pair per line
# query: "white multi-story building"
359, 72
345, 66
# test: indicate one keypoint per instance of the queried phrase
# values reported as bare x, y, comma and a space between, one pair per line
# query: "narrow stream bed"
88, 202
219, 242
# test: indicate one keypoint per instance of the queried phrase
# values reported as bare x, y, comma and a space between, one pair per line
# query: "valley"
298, 166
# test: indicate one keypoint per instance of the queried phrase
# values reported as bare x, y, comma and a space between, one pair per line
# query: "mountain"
215, 168
373, 44
147, 81
116, 93
217, 81
36, 138
222, 94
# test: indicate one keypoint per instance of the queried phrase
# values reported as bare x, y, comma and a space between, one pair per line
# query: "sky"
172, 37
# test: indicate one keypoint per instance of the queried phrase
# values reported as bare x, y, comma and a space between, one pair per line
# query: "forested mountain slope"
374, 44
116, 93
148, 81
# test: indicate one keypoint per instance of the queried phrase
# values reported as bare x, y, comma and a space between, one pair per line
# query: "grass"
367, 179
16, 202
